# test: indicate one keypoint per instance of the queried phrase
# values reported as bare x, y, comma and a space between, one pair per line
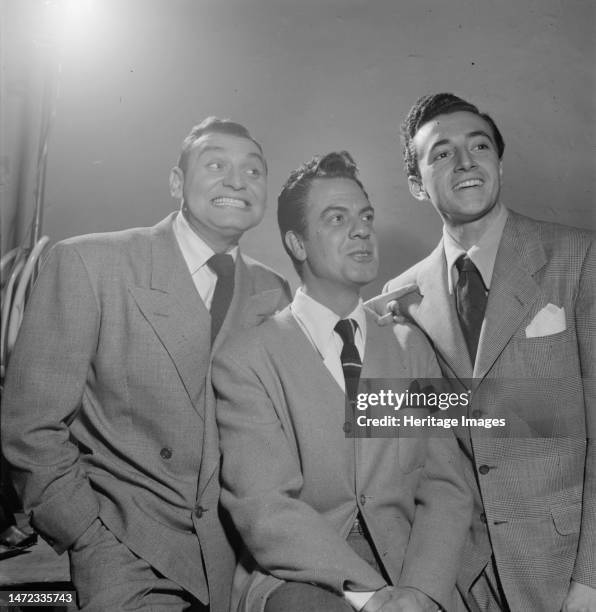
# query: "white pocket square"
550, 320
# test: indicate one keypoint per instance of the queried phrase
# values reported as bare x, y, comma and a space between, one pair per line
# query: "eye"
439, 155
336, 219
254, 172
369, 217
214, 165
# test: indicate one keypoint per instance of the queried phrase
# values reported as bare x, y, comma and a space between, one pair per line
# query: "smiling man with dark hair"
108, 415
509, 305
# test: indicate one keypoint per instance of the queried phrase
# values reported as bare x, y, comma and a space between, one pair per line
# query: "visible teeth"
229, 202
470, 183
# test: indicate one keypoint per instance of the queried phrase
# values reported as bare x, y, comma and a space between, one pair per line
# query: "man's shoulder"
115, 242
252, 343
259, 270
549, 232
411, 274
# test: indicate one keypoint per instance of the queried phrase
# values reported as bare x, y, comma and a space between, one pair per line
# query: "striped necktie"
350, 358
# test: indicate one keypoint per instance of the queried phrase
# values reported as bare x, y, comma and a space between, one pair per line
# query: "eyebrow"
473, 134
338, 207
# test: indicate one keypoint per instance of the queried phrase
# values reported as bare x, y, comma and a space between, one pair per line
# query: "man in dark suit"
332, 520
509, 305
108, 414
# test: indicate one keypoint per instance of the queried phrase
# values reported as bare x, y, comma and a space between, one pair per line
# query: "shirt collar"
483, 253
195, 250
319, 321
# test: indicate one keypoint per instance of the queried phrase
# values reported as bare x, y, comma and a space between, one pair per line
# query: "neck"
216, 241
468, 234
341, 301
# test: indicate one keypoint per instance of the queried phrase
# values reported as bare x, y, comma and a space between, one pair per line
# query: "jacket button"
199, 511
165, 453
347, 427
484, 469
483, 517
363, 499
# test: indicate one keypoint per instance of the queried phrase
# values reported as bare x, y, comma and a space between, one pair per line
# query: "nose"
234, 178
361, 229
464, 160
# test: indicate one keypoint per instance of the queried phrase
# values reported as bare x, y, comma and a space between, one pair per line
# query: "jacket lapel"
513, 289
173, 308
249, 307
435, 313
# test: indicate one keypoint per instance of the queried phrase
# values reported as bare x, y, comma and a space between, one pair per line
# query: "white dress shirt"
196, 253
318, 322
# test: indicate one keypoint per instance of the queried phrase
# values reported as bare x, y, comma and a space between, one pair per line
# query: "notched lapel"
435, 313
513, 290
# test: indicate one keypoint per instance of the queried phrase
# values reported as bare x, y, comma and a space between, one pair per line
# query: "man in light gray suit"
509, 305
333, 522
108, 414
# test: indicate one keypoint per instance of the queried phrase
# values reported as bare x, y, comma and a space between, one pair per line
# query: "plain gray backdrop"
305, 77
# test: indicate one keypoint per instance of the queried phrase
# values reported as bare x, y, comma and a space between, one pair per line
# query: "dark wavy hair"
427, 108
291, 203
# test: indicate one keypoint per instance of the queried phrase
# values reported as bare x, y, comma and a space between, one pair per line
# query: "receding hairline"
213, 147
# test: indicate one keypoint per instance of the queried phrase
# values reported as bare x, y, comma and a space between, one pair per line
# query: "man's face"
460, 170
224, 187
339, 247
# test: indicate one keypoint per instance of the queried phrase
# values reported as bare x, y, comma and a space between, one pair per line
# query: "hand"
386, 306
580, 598
409, 599
396, 314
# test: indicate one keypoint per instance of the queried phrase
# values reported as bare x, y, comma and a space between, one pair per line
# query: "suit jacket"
294, 483
536, 484
106, 409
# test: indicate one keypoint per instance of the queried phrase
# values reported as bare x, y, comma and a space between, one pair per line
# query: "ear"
416, 188
176, 182
295, 245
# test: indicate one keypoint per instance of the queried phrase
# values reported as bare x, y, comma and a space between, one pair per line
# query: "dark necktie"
350, 358
223, 266
470, 299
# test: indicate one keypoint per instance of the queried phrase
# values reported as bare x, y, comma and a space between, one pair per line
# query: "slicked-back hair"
213, 125
427, 108
293, 199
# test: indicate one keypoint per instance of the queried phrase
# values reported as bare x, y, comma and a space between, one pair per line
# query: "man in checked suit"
509, 304
331, 520
108, 413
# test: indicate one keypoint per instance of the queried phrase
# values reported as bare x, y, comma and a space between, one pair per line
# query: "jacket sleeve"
585, 316
262, 480
46, 380
443, 498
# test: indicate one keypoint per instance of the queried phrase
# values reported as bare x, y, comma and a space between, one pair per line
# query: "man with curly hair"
333, 522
